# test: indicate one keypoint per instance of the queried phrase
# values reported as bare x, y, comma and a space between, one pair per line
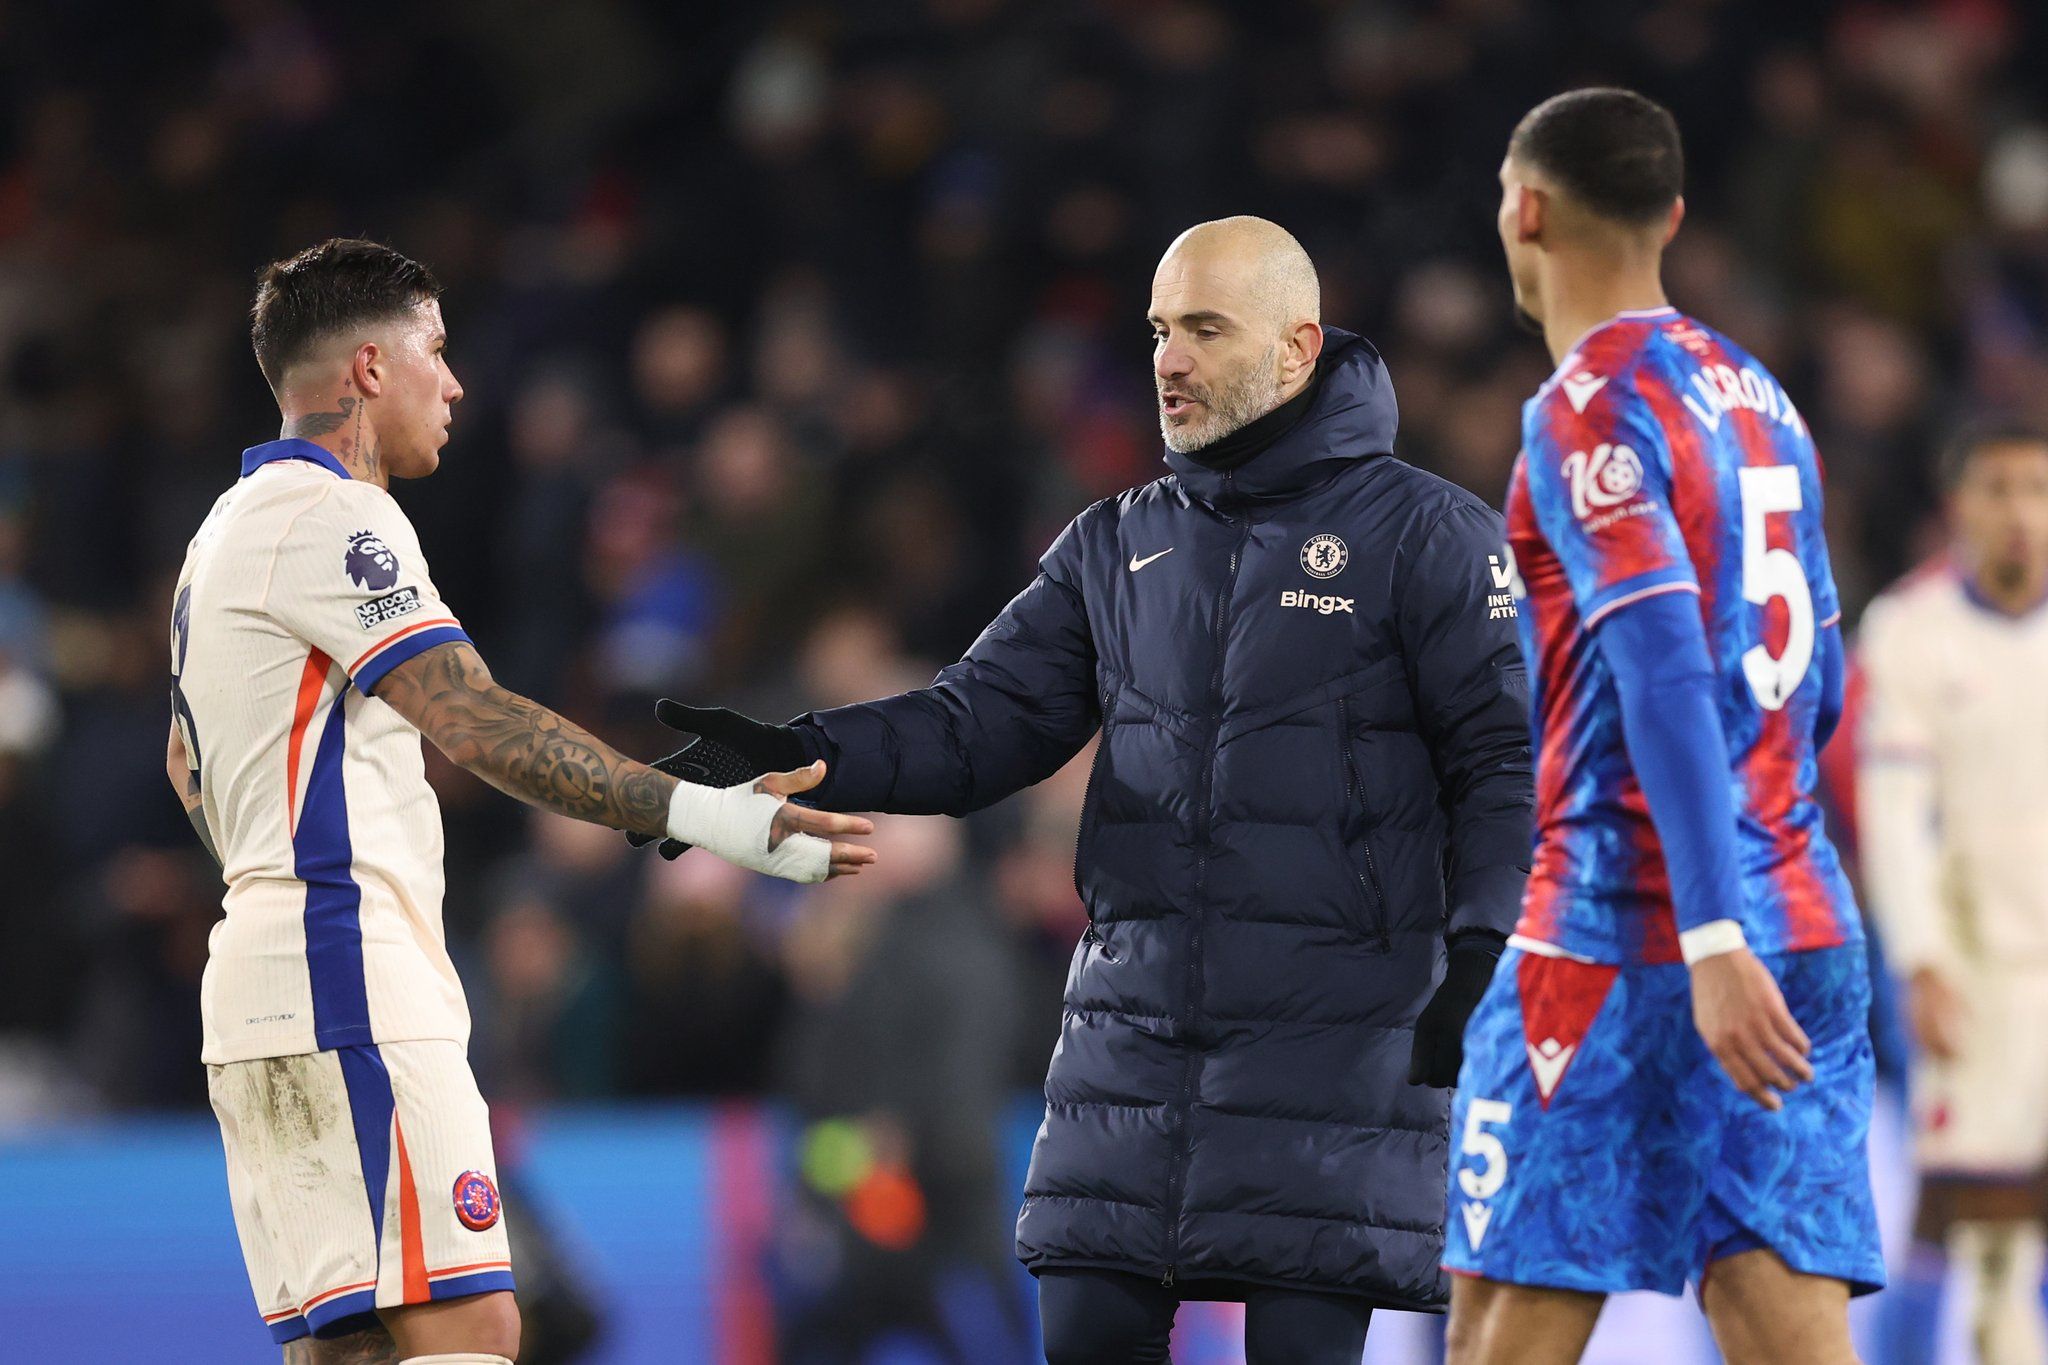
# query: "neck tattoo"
321, 423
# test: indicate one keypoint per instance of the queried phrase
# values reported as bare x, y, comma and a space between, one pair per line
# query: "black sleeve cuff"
1491, 942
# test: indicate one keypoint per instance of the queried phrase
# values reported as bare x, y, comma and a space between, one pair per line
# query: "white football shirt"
303, 588
1953, 775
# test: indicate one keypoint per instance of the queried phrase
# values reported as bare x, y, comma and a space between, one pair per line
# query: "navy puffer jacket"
1314, 766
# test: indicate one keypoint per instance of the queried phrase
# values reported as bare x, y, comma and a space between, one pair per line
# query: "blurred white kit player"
1955, 816
359, 1150
1953, 803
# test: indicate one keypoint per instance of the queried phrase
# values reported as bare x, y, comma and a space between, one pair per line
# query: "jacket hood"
1351, 418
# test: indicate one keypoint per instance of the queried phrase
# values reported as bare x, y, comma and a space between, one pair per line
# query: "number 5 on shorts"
1485, 1182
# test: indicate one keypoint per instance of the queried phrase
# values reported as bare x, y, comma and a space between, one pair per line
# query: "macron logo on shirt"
1580, 388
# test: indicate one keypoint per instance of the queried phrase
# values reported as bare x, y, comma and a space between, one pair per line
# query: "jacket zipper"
1373, 894
1177, 1172
1088, 800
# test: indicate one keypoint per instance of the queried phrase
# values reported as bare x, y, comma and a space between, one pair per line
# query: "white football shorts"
1985, 1113
361, 1178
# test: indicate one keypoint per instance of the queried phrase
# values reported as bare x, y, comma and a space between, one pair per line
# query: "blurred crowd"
791, 334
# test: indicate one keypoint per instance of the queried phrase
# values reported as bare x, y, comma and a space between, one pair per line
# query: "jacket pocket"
1365, 869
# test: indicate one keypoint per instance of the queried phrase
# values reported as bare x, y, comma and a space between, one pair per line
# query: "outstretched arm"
1009, 714
521, 747
529, 752
1021, 703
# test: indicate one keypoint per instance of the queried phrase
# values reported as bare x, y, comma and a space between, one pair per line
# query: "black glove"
1440, 1030
729, 749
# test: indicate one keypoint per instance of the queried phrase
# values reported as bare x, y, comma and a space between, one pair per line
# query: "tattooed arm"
519, 746
185, 782
527, 751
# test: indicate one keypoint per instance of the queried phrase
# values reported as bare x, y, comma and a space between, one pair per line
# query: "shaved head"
1262, 258
1236, 322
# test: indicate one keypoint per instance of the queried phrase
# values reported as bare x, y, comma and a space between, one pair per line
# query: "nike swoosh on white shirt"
1137, 563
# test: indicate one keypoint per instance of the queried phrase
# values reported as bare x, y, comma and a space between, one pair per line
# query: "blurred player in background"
1953, 793
1670, 1076
310, 651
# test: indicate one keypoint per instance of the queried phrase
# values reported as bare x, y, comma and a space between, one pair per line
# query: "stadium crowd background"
791, 335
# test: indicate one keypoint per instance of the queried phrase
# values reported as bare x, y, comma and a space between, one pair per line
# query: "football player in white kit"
310, 651
1953, 803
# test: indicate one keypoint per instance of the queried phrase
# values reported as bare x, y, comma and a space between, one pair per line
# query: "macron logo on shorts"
1478, 1217
1548, 1059
1560, 1000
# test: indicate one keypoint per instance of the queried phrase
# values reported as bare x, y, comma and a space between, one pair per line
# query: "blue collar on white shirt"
290, 448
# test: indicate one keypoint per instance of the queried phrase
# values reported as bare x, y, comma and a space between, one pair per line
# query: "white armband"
736, 822
1715, 937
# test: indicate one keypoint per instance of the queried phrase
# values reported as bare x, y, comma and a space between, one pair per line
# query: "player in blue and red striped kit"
1670, 1076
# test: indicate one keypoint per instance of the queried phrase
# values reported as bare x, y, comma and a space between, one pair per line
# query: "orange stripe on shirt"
312, 682
395, 636
412, 1251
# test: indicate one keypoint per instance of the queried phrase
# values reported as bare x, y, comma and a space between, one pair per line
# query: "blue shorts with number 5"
1598, 1146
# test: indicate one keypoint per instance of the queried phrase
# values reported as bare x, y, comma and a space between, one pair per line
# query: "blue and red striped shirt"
1662, 458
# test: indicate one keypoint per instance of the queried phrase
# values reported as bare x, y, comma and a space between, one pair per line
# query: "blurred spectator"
705, 995
679, 373
555, 1006
659, 599
897, 1061
761, 520
1034, 887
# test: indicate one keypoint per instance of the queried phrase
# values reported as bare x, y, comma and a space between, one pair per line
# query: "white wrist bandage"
455, 1360
1715, 937
734, 822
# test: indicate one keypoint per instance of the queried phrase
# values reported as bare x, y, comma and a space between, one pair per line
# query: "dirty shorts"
361, 1178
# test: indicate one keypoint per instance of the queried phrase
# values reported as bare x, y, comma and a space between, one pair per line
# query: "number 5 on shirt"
1767, 573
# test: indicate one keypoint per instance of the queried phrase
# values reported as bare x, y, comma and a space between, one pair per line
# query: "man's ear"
1304, 345
366, 370
1676, 216
1532, 210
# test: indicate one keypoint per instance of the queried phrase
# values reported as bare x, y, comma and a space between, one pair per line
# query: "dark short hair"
1613, 150
1974, 438
341, 283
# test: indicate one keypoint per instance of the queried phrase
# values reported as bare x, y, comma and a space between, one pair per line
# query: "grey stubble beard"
1256, 393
